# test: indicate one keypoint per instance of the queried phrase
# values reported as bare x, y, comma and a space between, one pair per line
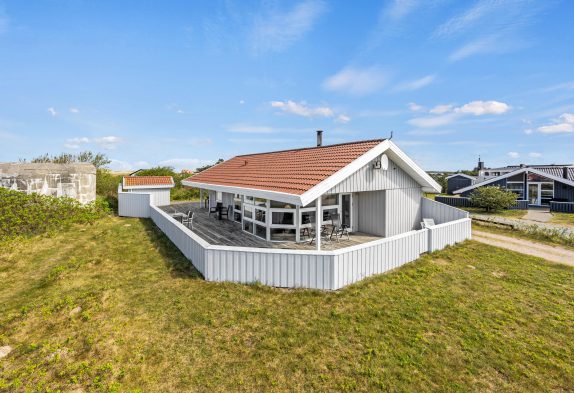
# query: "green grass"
500, 213
563, 219
468, 318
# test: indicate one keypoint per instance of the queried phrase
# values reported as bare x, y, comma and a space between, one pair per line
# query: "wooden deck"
228, 233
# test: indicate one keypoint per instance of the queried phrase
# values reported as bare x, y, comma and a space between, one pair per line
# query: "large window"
237, 203
283, 218
248, 226
248, 211
517, 188
261, 231
330, 200
260, 215
261, 202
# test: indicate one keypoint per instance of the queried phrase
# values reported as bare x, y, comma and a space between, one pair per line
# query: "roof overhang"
514, 173
393, 152
463, 175
139, 187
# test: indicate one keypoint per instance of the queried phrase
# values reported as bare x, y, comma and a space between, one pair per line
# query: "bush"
179, 192
492, 198
26, 215
107, 186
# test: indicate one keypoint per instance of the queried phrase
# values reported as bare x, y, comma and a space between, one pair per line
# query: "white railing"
329, 270
134, 204
441, 212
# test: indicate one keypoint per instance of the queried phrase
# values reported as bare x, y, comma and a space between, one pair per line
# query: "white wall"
134, 204
402, 210
161, 196
371, 213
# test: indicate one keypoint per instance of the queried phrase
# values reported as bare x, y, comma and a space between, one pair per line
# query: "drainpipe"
318, 222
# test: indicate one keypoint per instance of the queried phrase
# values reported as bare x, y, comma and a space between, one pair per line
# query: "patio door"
534, 193
346, 209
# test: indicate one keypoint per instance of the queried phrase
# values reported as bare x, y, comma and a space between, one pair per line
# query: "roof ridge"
315, 147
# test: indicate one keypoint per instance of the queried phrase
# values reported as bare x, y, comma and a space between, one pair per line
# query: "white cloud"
415, 84
357, 81
513, 154
277, 31
125, 166
528, 131
343, 119
560, 86
74, 110
479, 108
563, 125
106, 142
52, 112
413, 106
302, 109
440, 109
534, 155
433, 121
241, 102
398, 9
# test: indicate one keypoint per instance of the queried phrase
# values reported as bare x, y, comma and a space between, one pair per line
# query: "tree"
98, 160
202, 168
440, 179
492, 198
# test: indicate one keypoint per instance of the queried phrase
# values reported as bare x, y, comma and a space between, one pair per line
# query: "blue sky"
183, 83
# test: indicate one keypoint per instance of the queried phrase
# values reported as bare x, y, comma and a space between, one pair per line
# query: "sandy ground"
550, 253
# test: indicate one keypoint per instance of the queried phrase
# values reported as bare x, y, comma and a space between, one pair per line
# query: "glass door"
346, 209
534, 193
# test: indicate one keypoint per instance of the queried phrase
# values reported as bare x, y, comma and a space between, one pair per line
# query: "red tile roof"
131, 181
290, 171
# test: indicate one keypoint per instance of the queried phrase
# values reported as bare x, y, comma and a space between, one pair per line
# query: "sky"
183, 83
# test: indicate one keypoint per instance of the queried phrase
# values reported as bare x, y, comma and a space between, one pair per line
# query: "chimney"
319, 138
565, 172
523, 165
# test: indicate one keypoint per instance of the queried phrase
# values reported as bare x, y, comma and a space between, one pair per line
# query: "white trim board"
463, 175
516, 172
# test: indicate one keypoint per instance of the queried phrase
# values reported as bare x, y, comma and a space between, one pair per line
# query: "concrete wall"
76, 181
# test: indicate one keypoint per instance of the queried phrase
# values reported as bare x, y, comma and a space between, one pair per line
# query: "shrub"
26, 215
492, 198
179, 192
107, 186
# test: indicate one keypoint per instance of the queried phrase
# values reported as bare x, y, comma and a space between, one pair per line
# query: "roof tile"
131, 181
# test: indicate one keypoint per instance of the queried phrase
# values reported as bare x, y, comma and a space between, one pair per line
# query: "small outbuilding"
154, 190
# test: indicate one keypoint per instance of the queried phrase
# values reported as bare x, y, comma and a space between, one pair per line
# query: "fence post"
430, 240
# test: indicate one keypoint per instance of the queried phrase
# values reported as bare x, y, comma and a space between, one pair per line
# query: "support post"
297, 224
318, 223
200, 197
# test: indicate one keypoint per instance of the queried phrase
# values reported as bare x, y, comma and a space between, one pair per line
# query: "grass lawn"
115, 307
563, 219
500, 213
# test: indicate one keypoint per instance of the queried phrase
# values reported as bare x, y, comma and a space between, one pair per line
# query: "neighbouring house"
264, 212
151, 190
76, 180
534, 185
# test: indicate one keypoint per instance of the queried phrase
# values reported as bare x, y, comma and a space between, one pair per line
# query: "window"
261, 231
308, 217
330, 200
281, 205
327, 213
261, 202
280, 234
237, 208
248, 199
283, 218
247, 212
248, 226
218, 196
260, 215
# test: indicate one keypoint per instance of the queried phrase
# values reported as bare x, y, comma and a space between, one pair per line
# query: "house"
537, 185
275, 200
457, 181
151, 190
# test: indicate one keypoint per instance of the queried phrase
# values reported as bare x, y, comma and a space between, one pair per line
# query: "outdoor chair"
215, 209
323, 233
427, 223
188, 220
226, 212
338, 229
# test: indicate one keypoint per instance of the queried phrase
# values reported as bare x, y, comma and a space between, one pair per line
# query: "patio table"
178, 216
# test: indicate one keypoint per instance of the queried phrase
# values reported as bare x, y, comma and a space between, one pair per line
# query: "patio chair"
323, 233
188, 220
215, 209
338, 229
427, 223
226, 212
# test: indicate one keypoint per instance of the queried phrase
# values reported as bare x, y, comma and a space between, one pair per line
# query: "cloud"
277, 31
398, 9
343, 119
175, 108
563, 125
493, 44
534, 155
415, 84
356, 81
106, 142
433, 121
560, 86
413, 106
479, 108
513, 154
125, 166
241, 102
440, 109
301, 109
74, 110
52, 112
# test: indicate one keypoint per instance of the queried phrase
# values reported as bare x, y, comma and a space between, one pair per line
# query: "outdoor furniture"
215, 209
427, 223
188, 220
178, 216
226, 212
338, 229
323, 233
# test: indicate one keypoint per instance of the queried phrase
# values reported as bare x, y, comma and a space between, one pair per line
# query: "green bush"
107, 186
492, 198
179, 192
27, 215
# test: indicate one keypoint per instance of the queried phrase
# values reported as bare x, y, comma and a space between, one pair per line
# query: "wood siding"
563, 191
456, 183
369, 179
402, 210
440, 212
160, 196
371, 213
498, 183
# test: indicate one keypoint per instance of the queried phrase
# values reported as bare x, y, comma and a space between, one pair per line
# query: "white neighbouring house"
275, 201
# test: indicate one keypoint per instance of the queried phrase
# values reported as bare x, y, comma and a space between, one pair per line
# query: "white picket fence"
315, 269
